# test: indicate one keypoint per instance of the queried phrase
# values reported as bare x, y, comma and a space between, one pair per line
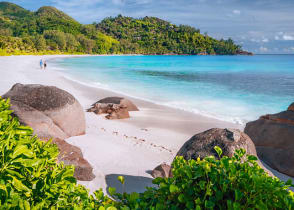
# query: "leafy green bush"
228, 183
31, 178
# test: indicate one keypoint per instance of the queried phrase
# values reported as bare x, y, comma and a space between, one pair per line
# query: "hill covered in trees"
49, 30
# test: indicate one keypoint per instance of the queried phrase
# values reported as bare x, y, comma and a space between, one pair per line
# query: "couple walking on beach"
43, 64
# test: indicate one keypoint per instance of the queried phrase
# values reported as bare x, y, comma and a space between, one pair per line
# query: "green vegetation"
151, 35
49, 30
31, 178
228, 183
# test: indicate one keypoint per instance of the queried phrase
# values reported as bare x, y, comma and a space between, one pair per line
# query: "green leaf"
252, 157
173, 188
134, 196
181, 198
111, 191
26, 205
19, 185
289, 182
22, 149
121, 179
19, 150
208, 204
218, 151
3, 187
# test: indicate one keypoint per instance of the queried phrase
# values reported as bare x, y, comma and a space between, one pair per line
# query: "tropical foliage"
50, 30
31, 178
152, 35
228, 183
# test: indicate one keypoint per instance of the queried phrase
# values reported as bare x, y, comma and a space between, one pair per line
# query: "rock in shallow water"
50, 111
273, 136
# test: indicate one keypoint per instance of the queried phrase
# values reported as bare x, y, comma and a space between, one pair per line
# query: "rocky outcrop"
242, 52
114, 107
72, 155
229, 140
50, 111
113, 111
163, 171
291, 107
273, 136
119, 101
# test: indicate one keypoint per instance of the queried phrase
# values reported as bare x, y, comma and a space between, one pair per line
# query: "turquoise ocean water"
231, 88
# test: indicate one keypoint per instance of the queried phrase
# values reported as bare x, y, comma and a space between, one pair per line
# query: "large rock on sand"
229, 140
113, 111
202, 144
120, 101
50, 111
72, 155
273, 136
114, 107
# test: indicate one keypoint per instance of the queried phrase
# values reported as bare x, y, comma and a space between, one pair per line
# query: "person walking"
41, 64
45, 64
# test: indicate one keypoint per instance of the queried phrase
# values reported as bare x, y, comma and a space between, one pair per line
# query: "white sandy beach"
130, 147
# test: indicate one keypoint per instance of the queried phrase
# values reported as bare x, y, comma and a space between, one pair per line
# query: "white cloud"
285, 36
263, 49
254, 40
288, 37
237, 12
277, 37
265, 40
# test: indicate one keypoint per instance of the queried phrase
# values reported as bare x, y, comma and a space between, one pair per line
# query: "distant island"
50, 31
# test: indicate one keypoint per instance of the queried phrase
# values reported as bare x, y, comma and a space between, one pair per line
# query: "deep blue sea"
232, 88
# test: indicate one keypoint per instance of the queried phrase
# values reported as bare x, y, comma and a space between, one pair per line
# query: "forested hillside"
49, 30
151, 35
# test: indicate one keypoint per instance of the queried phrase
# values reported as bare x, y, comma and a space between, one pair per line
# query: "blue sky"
261, 26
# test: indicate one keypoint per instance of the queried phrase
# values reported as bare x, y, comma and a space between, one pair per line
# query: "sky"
260, 26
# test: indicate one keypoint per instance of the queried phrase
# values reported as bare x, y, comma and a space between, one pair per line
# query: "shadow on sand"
132, 183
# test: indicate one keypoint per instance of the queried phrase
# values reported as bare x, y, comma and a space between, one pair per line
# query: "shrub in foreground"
228, 183
31, 178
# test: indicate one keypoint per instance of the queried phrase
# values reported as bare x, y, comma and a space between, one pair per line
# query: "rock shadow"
132, 183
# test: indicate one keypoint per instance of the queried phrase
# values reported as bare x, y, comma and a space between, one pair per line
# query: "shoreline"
69, 78
130, 147
240, 123
145, 103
